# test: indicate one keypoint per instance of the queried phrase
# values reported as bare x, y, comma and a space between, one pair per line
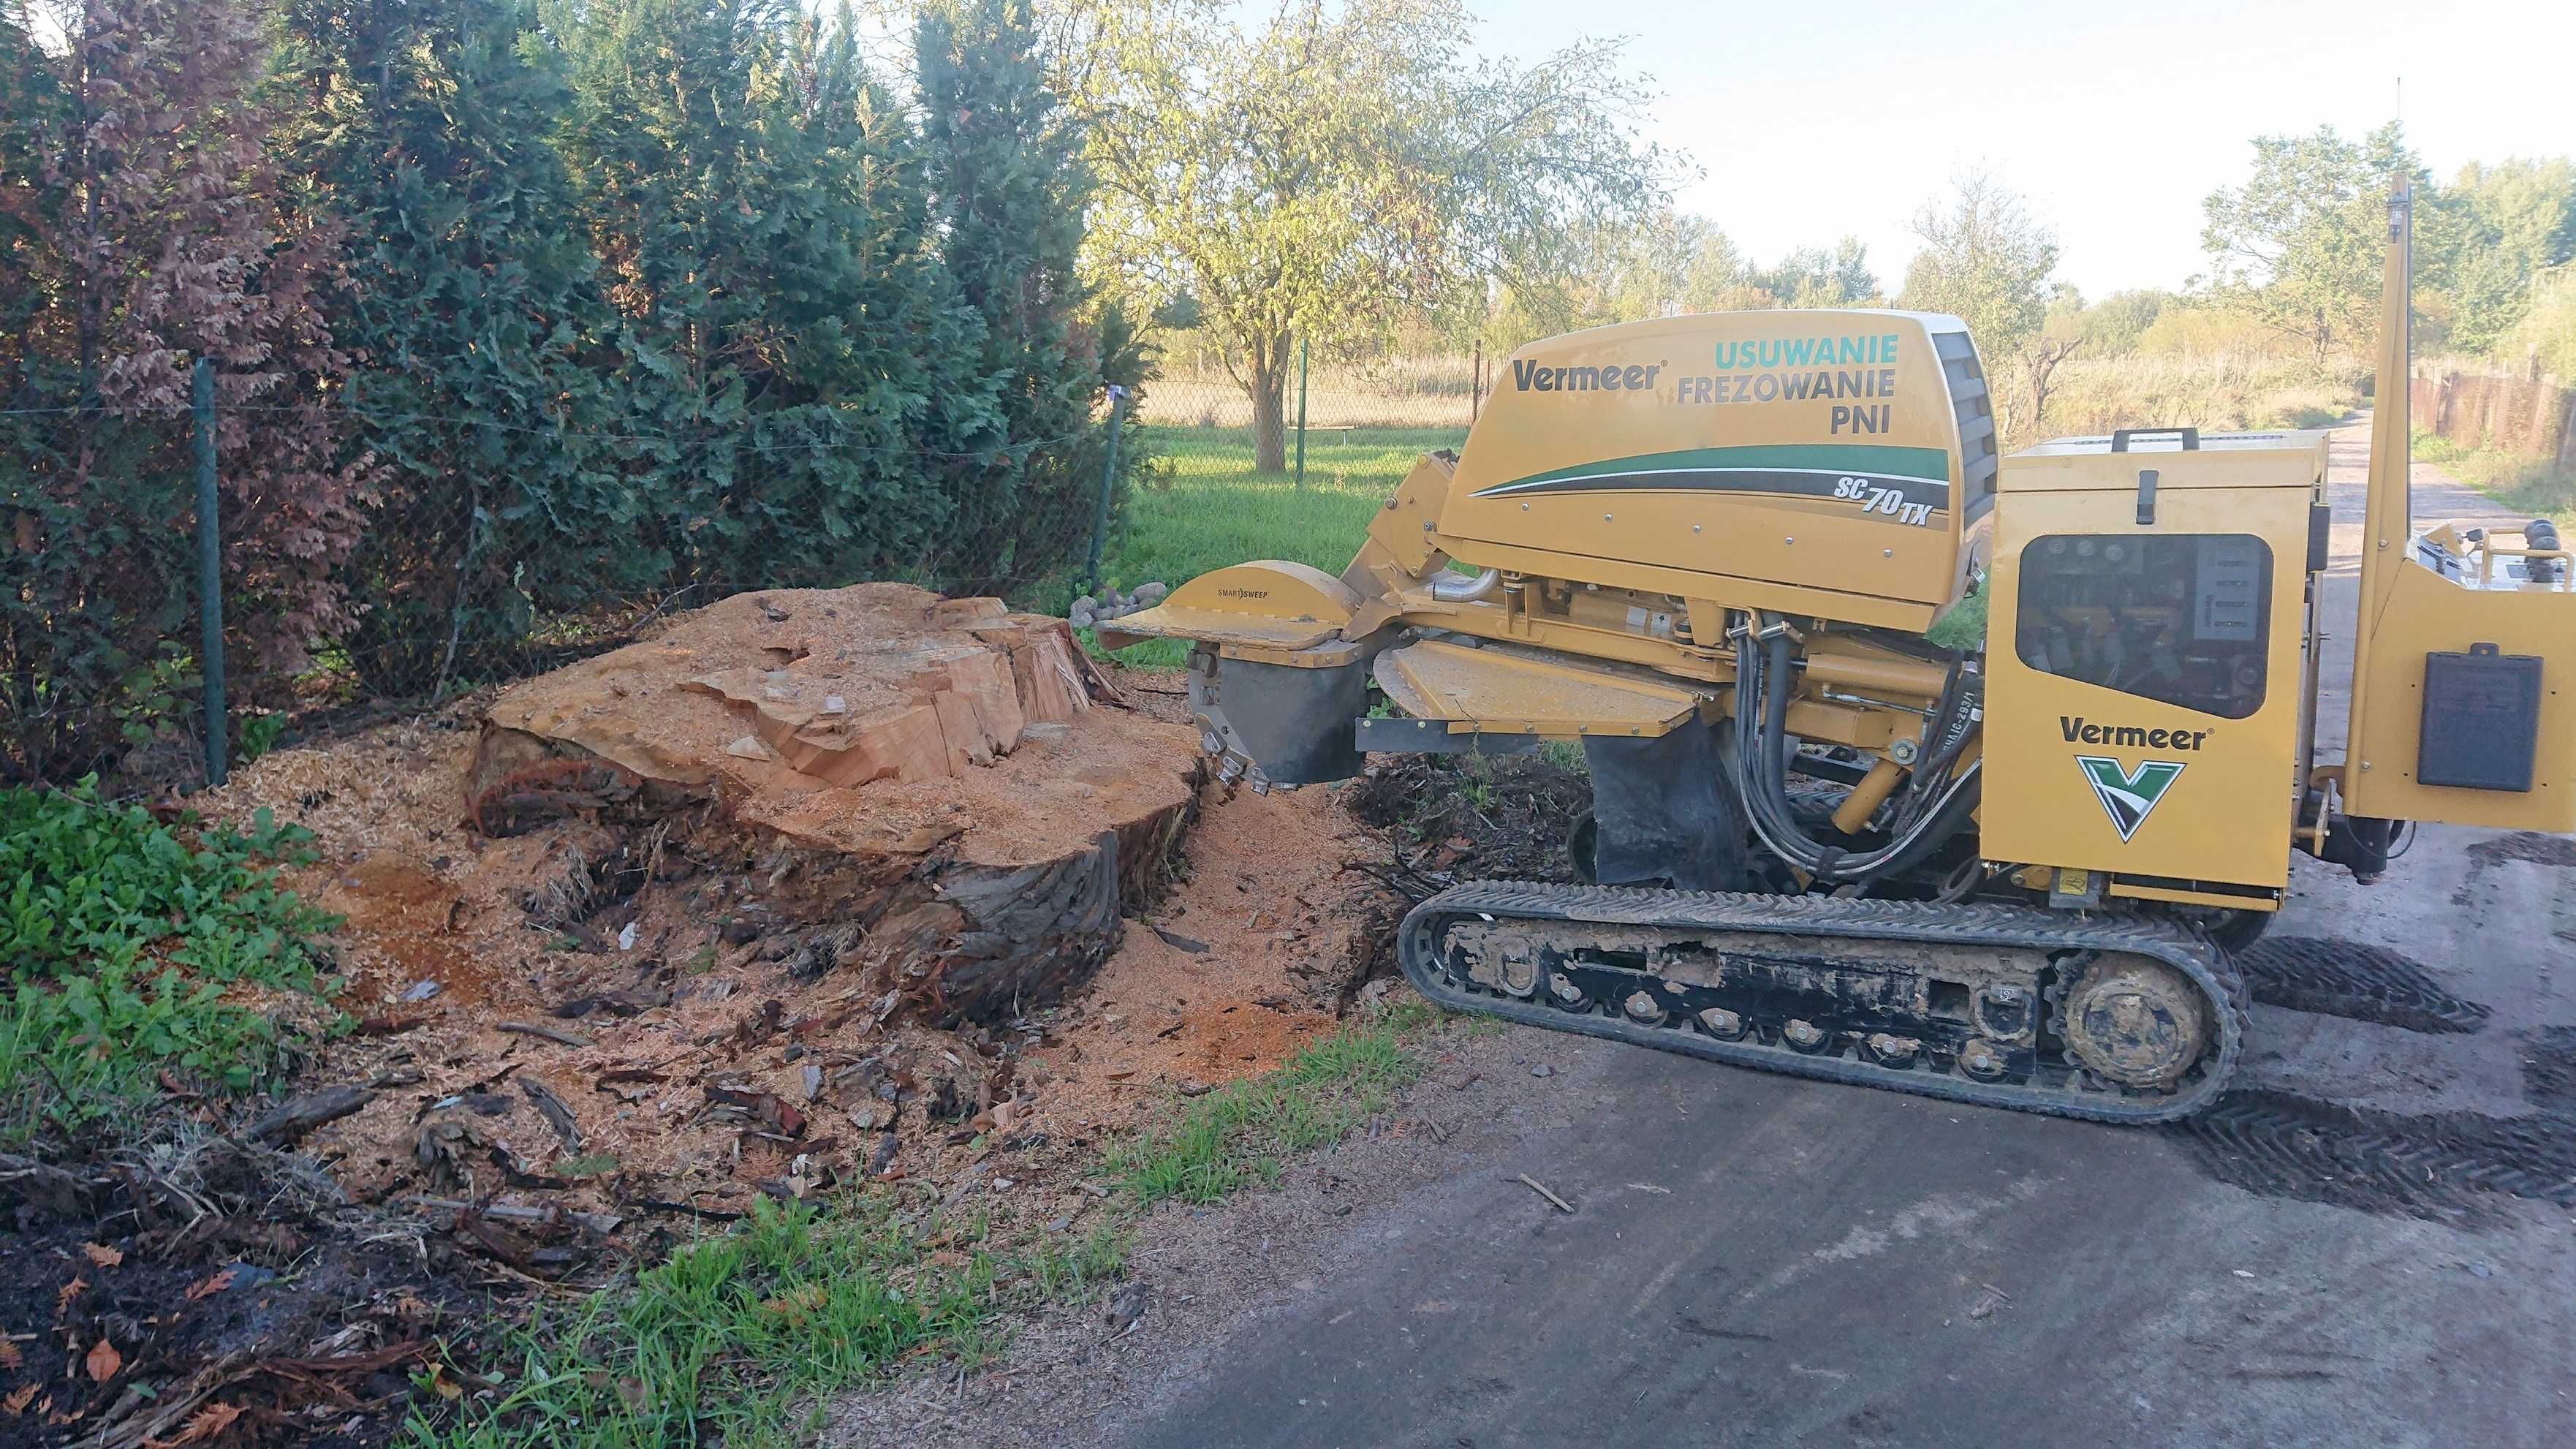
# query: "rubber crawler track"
1690, 912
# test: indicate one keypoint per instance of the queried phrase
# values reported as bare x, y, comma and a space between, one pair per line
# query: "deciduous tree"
2514, 221
1986, 261
1341, 168
1817, 277
2298, 246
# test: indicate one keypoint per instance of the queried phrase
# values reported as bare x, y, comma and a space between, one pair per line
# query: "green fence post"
1301, 412
1108, 477
210, 568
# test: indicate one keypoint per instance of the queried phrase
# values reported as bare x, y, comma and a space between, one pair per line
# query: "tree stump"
939, 794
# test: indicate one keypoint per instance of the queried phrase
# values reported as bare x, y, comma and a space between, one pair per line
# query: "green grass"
120, 933
737, 1338
1243, 1133
1209, 507
2530, 485
1963, 627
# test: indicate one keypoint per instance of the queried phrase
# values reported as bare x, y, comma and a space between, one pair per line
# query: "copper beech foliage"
147, 228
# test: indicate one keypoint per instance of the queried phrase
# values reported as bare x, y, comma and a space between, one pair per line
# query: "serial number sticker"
1877, 498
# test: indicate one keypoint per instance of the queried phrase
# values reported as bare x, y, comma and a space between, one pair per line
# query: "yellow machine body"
1815, 450
1853, 817
2149, 609
2449, 596
2429, 599
1635, 499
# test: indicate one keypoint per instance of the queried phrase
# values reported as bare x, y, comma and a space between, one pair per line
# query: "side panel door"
2144, 683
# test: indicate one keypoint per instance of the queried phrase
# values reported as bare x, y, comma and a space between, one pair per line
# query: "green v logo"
2128, 798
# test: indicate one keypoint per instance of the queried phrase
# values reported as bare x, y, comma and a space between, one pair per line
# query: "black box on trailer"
2481, 719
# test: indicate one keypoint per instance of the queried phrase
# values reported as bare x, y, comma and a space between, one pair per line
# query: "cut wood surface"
938, 785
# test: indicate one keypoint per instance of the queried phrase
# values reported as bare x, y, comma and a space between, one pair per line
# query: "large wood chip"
302, 1114
557, 1115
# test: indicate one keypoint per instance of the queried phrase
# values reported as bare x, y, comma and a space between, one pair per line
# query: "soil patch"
1469, 817
197, 1290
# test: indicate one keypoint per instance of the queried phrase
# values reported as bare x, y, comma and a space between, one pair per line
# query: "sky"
2114, 121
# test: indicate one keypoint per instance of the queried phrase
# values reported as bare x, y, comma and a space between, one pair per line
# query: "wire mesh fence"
1330, 420
426, 574
439, 553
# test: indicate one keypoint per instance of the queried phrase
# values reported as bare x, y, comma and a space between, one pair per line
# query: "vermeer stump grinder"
2006, 867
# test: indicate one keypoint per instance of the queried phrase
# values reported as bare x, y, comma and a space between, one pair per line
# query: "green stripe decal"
1866, 458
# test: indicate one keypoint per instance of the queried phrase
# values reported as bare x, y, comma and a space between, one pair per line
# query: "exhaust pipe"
1449, 588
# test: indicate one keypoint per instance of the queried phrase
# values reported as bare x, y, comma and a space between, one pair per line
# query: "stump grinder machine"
1912, 766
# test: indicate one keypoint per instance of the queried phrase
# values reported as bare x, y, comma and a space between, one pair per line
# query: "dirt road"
1756, 1260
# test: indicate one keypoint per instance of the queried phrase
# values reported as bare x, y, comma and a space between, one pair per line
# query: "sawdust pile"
667, 996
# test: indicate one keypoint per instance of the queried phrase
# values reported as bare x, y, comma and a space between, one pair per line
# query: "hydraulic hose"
1945, 733
1761, 746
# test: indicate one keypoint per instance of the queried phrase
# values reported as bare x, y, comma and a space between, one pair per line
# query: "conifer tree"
1007, 184
474, 316
786, 327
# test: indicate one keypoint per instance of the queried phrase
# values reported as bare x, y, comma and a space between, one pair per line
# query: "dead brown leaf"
104, 1257
19, 1399
103, 1361
63, 1298
9, 1358
206, 1423
213, 1285
800, 1303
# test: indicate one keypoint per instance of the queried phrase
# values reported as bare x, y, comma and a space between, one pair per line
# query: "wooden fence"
2532, 416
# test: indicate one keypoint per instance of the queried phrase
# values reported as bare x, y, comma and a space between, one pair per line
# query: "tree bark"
1269, 387
2044, 358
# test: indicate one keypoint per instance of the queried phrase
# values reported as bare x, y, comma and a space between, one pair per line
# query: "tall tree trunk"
1269, 387
2044, 358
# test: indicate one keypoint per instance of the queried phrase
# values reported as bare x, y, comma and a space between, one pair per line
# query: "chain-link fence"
407, 580
1332, 420
441, 561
